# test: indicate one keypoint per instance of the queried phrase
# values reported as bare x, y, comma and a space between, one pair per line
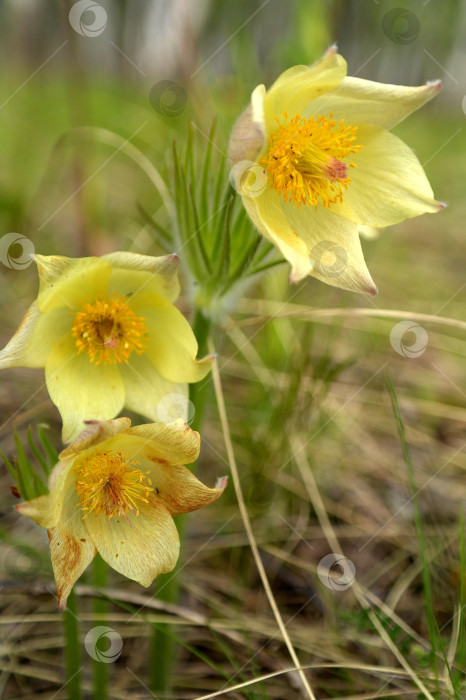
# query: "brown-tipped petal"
95, 431
168, 443
71, 548
46, 510
43, 510
138, 546
180, 491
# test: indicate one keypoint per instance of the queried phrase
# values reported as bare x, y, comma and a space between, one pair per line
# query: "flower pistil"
111, 483
304, 159
109, 330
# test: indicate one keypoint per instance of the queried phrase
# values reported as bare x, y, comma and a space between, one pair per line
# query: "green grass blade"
435, 639
50, 451
36, 452
204, 206
223, 265
461, 652
163, 232
197, 232
32, 483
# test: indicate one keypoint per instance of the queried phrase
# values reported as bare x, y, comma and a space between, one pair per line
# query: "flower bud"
247, 139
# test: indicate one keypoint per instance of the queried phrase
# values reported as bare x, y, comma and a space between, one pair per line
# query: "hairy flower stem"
163, 644
72, 649
99, 670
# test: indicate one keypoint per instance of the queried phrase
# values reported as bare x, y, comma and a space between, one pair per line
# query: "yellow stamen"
110, 483
109, 330
304, 159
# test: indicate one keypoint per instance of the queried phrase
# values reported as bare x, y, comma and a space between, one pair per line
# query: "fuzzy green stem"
163, 645
72, 649
100, 669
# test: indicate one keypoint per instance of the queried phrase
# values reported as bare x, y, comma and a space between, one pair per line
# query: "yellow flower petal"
296, 87
334, 248
318, 124
81, 390
367, 102
257, 106
44, 510
139, 547
267, 215
179, 490
171, 345
388, 184
35, 337
132, 273
81, 279
369, 232
315, 242
145, 388
168, 443
94, 433
71, 548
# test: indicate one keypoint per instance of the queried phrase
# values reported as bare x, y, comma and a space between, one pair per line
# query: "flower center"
109, 330
110, 483
305, 159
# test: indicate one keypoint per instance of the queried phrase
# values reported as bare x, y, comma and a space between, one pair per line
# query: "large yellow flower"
313, 160
108, 335
114, 491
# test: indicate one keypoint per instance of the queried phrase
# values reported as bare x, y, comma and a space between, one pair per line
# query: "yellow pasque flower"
114, 491
313, 160
108, 335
